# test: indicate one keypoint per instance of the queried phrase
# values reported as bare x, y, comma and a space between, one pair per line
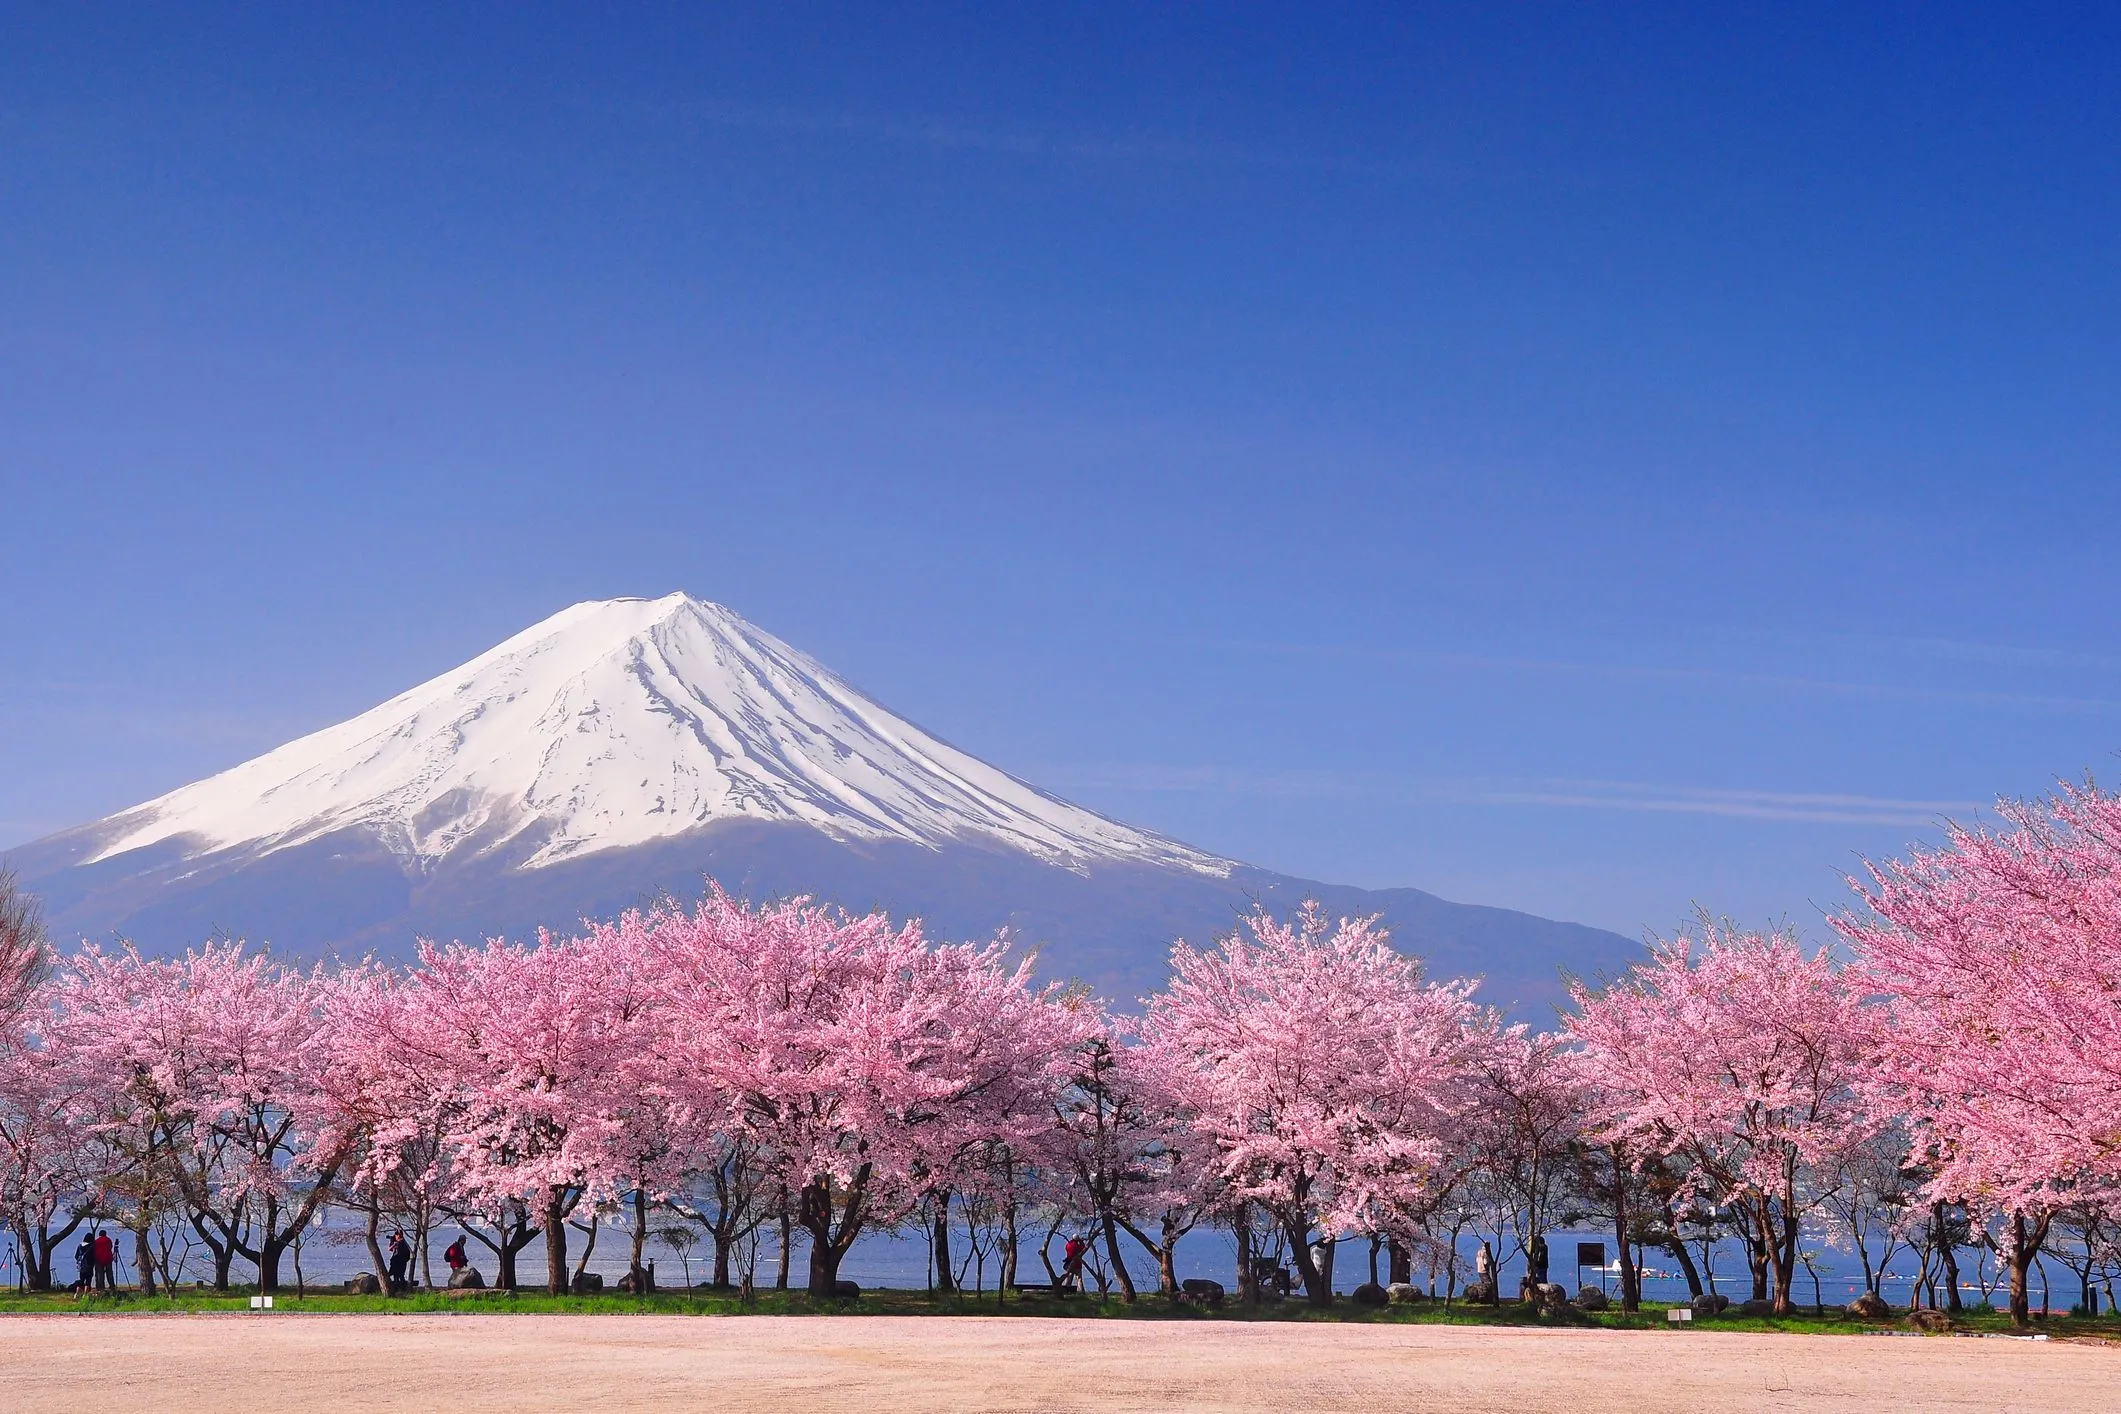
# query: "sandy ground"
819, 1364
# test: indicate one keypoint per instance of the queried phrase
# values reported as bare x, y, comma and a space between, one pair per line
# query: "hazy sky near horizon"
1587, 460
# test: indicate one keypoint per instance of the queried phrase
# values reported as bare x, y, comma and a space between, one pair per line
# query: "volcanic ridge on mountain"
625, 749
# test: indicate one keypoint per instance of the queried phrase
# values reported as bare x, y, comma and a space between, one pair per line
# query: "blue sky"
1590, 460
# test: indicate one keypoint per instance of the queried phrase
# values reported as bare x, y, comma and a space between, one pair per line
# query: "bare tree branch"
25, 955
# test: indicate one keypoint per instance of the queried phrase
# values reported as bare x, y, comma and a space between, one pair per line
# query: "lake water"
335, 1253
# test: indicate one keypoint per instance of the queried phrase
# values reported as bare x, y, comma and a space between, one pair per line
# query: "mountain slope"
613, 724
628, 748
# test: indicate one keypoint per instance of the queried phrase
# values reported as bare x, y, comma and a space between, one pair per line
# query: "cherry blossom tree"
534, 1045
215, 1062
1107, 1128
671, 1140
1741, 1054
1324, 1075
1870, 1198
394, 1106
1527, 1104
1174, 1184
1122, 1146
862, 1057
2001, 952
52, 1167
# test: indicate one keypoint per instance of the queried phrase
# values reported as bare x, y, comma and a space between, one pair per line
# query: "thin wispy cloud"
2014, 655
1564, 793
1740, 804
1640, 672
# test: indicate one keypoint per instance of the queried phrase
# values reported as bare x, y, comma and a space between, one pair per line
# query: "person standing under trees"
400, 1258
454, 1256
106, 1255
85, 1264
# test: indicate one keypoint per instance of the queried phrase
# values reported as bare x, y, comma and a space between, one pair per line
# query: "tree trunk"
1159, 1248
143, 1254
1400, 1261
1008, 1273
824, 1267
555, 1240
423, 1228
1678, 1248
512, 1233
36, 1250
780, 1278
224, 1258
1756, 1252
375, 1246
640, 1242
1948, 1255
1119, 1263
1318, 1289
720, 1238
51, 1244
1045, 1251
939, 1239
269, 1250
1623, 1240
829, 1242
2025, 1246
589, 1247
1784, 1246
1247, 1268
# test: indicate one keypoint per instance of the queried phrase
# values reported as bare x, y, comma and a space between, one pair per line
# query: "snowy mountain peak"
616, 723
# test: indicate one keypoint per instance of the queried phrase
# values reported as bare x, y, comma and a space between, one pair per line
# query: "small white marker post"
1679, 1313
261, 1303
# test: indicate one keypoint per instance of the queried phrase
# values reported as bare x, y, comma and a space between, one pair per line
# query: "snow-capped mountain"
619, 723
628, 749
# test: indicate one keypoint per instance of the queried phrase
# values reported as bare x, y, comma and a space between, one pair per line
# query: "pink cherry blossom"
1324, 1076
2001, 954
1741, 1053
863, 1058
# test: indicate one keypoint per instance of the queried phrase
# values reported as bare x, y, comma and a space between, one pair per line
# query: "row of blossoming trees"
1955, 1085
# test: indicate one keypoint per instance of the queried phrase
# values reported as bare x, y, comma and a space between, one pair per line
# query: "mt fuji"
627, 748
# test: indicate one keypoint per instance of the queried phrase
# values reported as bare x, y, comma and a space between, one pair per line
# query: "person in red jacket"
1072, 1264
106, 1255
